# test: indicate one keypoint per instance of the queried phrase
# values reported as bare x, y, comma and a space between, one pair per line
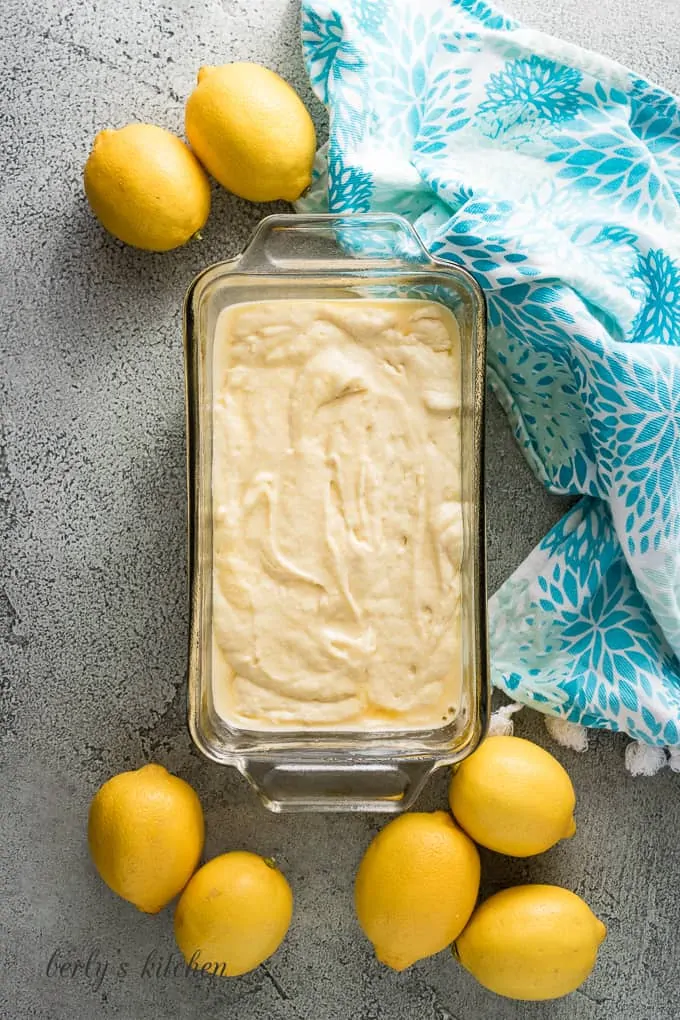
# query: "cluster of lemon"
246, 126
146, 833
416, 887
418, 884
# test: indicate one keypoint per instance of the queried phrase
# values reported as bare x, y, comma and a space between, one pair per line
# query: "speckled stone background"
93, 602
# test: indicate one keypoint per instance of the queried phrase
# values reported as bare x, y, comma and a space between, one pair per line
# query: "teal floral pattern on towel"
553, 175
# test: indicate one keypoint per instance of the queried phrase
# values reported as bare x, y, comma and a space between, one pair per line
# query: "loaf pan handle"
324, 243
388, 787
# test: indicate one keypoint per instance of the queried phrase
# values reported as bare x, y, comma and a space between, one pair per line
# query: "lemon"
251, 131
146, 187
531, 942
513, 797
145, 834
416, 887
233, 914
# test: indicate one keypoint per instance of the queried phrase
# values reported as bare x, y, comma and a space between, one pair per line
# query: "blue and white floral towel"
553, 175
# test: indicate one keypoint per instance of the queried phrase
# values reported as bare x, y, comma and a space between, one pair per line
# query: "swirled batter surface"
337, 526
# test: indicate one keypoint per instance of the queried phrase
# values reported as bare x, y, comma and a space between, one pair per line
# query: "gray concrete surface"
93, 601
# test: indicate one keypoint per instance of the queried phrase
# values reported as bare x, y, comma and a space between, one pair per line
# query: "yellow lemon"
145, 834
251, 131
233, 914
146, 187
416, 887
513, 797
531, 942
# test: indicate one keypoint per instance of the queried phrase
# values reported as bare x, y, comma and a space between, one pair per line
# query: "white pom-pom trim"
644, 759
567, 734
640, 759
500, 724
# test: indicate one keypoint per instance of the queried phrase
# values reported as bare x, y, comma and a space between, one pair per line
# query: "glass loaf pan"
331, 257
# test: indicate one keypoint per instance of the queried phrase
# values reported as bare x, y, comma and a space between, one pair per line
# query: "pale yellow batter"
336, 514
